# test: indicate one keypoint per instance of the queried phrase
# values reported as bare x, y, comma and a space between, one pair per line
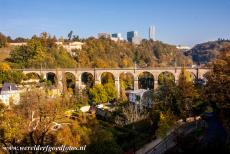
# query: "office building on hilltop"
152, 31
116, 37
133, 37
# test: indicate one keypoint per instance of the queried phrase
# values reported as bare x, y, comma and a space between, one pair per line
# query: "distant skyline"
176, 21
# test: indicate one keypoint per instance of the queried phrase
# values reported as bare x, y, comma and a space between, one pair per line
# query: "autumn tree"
41, 52
165, 124
4, 67
73, 134
187, 94
12, 129
217, 88
8, 75
40, 114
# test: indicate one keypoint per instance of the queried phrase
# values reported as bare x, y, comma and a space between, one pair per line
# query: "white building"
18, 44
183, 47
68, 46
9, 93
71, 46
141, 97
135, 96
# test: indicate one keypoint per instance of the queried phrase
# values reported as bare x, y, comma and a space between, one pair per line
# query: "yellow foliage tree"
4, 67
185, 75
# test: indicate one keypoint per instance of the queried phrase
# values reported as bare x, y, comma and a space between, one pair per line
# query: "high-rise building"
131, 34
133, 37
116, 37
152, 31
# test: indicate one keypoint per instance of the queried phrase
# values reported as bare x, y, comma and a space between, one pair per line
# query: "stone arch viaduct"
97, 73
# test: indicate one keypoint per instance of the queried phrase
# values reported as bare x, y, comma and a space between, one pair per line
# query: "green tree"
103, 142
98, 94
21, 56
111, 91
165, 98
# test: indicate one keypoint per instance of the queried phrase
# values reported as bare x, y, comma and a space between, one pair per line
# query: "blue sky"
185, 22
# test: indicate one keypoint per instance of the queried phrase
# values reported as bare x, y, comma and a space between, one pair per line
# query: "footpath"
159, 146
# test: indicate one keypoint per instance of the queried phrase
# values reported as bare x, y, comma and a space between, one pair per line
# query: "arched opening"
32, 76
145, 80
166, 77
70, 80
107, 77
87, 79
51, 78
126, 81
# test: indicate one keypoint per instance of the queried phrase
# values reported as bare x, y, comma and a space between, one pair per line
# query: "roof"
138, 91
8, 87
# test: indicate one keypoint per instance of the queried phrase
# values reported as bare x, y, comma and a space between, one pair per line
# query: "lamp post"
135, 66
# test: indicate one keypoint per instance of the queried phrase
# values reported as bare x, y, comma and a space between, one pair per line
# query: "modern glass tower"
152, 31
133, 37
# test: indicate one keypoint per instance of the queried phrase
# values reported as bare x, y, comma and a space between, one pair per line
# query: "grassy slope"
4, 53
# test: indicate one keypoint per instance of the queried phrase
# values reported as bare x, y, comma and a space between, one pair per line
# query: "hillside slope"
206, 52
4, 53
107, 53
